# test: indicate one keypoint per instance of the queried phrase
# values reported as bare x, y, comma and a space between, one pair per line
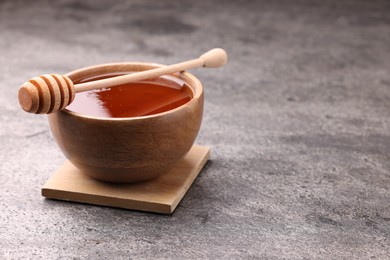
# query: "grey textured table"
298, 123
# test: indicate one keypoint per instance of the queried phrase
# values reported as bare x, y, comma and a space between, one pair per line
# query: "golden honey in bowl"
132, 99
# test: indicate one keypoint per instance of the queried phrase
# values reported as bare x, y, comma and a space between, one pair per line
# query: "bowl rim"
196, 88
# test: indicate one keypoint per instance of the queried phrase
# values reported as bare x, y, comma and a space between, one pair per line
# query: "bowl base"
160, 195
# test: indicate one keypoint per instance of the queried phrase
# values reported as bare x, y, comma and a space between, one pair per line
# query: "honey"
133, 99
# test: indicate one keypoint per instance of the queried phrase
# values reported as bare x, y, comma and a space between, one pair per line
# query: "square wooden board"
160, 195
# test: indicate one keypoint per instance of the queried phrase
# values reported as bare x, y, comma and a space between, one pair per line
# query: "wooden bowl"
124, 150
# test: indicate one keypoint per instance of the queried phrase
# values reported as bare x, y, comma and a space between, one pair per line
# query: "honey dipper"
51, 93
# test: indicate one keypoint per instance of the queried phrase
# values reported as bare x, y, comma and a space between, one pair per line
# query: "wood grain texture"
46, 94
125, 150
161, 195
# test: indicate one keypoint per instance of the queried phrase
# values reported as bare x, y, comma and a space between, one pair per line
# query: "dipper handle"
50, 93
212, 59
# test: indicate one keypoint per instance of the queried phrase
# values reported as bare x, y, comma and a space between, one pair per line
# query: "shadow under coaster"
160, 195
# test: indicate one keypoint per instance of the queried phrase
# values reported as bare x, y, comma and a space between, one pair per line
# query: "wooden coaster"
161, 195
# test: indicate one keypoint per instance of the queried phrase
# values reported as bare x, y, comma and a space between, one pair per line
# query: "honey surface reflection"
132, 99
